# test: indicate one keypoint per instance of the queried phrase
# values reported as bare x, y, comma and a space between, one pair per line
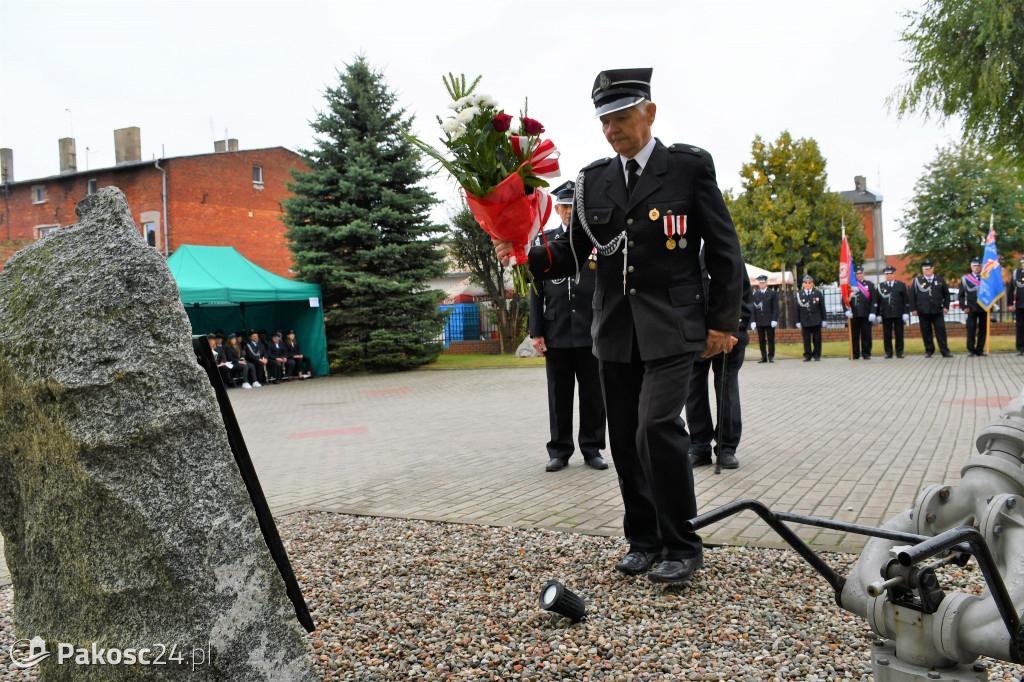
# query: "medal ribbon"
863, 289
972, 279
675, 225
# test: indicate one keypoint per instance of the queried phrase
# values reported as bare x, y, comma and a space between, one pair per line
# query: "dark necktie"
632, 167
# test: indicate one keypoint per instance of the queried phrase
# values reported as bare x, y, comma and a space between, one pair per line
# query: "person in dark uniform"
977, 330
256, 355
766, 318
894, 309
861, 313
726, 367
560, 319
810, 314
278, 363
219, 359
929, 300
646, 211
1016, 296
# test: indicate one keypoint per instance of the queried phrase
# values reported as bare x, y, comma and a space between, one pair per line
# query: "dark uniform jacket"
663, 302
968, 296
766, 306
1016, 289
929, 299
560, 309
276, 349
810, 308
291, 349
861, 305
254, 351
893, 300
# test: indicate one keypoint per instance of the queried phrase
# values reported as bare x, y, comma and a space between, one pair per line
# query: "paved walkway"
842, 439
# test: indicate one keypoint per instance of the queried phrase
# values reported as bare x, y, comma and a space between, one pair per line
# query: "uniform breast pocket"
659, 209
599, 215
688, 309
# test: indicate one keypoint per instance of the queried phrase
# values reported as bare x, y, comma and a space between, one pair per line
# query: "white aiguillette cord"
603, 249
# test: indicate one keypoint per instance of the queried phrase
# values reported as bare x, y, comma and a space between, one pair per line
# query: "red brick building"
230, 197
869, 205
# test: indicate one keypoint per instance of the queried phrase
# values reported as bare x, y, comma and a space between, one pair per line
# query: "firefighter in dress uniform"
894, 309
810, 314
766, 318
1016, 296
977, 330
861, 313
929, 300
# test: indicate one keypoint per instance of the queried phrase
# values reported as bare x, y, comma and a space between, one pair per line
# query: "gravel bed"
397, 599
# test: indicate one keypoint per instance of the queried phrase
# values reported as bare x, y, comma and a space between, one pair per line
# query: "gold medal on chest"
654, 214
670, 244
593, 265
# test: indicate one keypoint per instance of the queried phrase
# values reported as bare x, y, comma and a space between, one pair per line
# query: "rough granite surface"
125, 520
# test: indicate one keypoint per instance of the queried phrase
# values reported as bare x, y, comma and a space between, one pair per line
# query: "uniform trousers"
649, 444
565, 368
976, 332
1018, 316
860, 330
892, 326
698, 406
812, 336
930, 322
766, 339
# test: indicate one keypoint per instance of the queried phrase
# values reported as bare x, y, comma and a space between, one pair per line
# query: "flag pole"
988, 311
849, 275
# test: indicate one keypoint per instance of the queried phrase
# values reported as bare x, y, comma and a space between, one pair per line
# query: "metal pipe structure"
931, 635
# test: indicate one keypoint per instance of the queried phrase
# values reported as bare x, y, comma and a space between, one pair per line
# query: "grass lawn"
482, 362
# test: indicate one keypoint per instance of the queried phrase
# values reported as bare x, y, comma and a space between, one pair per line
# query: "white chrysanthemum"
449, 125
458, 131
483, 100
467, 114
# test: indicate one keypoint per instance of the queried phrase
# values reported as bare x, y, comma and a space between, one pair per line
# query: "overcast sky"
190, 72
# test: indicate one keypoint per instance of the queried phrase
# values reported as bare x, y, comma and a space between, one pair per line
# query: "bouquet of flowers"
501, 163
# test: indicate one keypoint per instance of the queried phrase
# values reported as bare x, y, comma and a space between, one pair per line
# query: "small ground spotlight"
555, 597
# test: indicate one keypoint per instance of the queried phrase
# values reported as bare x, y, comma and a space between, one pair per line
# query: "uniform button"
630, 268
632, 292
630, 243
629, 221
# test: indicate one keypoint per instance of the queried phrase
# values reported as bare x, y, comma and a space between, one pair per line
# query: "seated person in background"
302, 368
256, 355
280, 365
233, 354
218, 357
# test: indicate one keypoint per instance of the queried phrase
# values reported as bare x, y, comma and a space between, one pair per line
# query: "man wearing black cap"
646, 211
766, 318
929, 300
256, 355
977, 330
279, 365
810, 313
560, 319
861, 313
1016, 296
894, 309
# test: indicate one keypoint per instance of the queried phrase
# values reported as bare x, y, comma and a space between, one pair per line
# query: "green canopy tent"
222, 290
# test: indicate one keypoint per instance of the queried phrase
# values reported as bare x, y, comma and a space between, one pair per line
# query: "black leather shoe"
597, 462
980, 353
1020, 352
700, 460
889, 356
728, 460
928, 355
555, 464
635, 563
817, 359
676, 571
947, 355
771, 359
762, 361
807, 359
900, 356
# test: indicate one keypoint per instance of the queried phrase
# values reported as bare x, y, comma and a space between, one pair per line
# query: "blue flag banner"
991, 274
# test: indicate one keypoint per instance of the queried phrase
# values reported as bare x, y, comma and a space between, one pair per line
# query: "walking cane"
721, 402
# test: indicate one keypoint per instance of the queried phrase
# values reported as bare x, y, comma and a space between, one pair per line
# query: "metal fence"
467, 322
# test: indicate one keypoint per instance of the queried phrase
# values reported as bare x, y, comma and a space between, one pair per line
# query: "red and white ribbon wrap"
543, 160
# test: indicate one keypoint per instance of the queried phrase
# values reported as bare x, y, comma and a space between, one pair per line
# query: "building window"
92, 187
39, 194
257, 177
43, 230
149, 229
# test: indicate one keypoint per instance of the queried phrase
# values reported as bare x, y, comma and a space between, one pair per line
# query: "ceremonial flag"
991, 272
845, 269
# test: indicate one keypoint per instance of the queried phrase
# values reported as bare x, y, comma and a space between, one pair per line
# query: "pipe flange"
1010, 430
1013, 473
946, 627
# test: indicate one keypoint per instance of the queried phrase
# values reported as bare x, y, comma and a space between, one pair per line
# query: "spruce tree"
359, 227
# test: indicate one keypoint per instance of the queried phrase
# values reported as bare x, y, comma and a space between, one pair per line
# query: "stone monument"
128, 531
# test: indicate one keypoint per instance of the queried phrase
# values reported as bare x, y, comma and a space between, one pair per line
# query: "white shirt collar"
642, 157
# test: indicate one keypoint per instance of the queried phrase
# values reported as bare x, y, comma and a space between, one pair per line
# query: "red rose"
532, 126
501, 122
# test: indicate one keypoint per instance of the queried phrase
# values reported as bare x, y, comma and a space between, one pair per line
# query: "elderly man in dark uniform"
646, 211
766, 318
861, 313
560, 319
977, 329
1016, 296
810, 314
929, 300
894, 309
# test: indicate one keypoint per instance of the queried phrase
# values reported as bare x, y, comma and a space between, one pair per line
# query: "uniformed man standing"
560, 318
766, 318
646, 211
929, 300
861, 313
977, 330
894, 309
810, 314
1016, 296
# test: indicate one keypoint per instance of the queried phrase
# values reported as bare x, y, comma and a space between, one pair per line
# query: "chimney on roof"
127, 145
229, 145
860, 183
68, 163
6, 165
